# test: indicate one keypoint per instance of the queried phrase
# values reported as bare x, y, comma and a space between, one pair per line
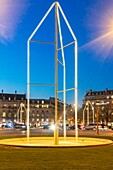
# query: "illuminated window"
47, 120
42, 120
14, 115
37, 115
37, 101
47, 106
42, 102
112, 96
4, 114
42, 106
9, 98
14, 105
42, 115
37, 105
32, 115
37, 120
14, 120
3, 120
33, 120
107, 97
4, 105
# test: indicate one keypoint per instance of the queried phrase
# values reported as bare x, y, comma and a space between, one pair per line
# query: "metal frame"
20, 110
88, 103
57, 29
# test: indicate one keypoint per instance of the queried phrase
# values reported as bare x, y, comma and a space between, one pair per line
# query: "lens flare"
11, 14
100, 25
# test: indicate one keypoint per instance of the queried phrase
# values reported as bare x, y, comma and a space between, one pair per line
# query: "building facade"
102, 104
13, 108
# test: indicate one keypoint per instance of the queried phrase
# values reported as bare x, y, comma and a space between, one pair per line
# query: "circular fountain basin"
43, 142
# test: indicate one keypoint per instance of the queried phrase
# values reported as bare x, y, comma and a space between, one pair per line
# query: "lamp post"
97, 130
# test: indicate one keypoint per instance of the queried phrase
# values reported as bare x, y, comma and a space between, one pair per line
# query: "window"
3, 120
47, 106
42, 106
33, 120
37, 115
32, 115
37, 120
107, 97
112, 96
47, 120
42, 120
37, 101
9, 98
4, 105
37, 106
4, 114
9, 114
14, 105
42, 102
42, 115
14, 115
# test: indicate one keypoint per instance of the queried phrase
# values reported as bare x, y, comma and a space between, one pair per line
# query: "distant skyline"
92, 23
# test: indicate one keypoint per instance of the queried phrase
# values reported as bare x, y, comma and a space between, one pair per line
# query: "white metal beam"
64, 72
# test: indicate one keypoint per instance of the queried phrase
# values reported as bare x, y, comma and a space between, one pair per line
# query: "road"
15, 132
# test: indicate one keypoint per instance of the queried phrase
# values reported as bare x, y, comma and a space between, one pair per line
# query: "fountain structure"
55, 141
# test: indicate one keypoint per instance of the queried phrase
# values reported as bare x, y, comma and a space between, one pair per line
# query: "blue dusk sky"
92, 23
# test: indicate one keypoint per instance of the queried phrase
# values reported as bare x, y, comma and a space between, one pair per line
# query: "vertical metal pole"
28, 87
93, 114
76, 89
64, 73
21, 112
18, 115
88, 114
83, 118
97, 130
56, 141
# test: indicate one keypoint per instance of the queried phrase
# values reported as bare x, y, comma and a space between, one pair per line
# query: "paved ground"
4, 132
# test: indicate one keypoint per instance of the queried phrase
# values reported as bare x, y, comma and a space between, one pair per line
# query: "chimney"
2, 93
106, 90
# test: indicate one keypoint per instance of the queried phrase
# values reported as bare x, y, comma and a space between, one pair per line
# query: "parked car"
93, 126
